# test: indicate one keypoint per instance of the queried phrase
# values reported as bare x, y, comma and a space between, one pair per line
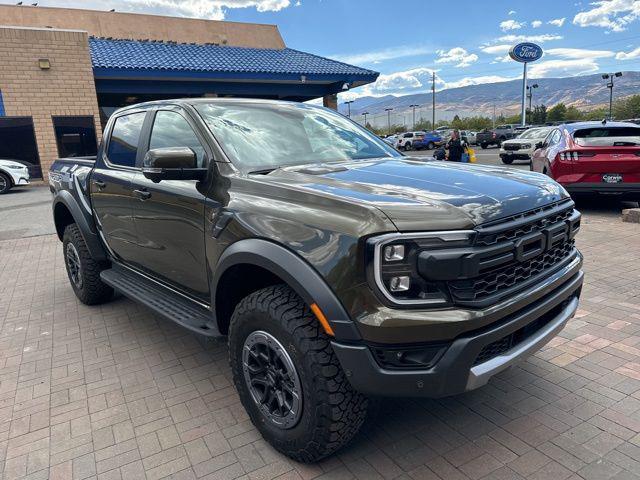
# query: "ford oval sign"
526, 52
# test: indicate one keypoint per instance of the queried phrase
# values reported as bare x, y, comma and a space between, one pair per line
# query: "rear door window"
607, 136
125, 136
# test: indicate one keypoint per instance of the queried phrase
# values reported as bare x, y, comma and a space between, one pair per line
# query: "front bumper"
20, 177
515, 154
457, 369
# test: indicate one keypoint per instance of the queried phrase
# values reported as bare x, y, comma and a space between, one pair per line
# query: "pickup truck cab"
497, 135
337, 268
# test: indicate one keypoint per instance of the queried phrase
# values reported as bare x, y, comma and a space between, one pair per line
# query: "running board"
161, 300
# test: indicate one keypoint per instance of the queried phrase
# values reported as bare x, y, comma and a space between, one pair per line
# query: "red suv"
592, 157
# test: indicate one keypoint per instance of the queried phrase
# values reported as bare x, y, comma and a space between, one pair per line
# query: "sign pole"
524, 95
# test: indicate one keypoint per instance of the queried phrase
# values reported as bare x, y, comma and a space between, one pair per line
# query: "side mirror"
539, 145
173, 163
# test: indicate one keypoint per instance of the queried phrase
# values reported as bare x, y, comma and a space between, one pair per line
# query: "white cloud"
558, 22
628, 55
613, 15
507, 25
209, 9
563, 68
578, 53
528, 38
493, 49
457, 55
512, 12
477, 81
536, 23
402, 81
377, 56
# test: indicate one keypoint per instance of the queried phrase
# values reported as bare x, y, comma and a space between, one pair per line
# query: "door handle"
142, 194
99, 184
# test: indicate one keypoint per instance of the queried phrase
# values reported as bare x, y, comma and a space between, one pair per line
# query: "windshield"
260, 136
607, 136
535, 133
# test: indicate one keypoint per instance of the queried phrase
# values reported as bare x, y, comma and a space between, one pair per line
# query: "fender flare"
90, 237
293, 270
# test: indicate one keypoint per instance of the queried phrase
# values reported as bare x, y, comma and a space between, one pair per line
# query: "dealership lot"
113, 392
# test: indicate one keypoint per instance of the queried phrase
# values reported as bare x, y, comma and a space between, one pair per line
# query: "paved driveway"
113, 392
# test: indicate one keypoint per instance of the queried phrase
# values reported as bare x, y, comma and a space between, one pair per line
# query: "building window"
123, 144
75, 136
18, 142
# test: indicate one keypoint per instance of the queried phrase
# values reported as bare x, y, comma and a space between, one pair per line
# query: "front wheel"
430, 146
5, 183
288, 377
407, 147
484, 145
82, 269
507, 160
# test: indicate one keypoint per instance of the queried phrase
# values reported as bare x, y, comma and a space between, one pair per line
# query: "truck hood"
427, 195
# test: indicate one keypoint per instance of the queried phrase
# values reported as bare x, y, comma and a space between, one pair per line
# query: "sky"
407, 40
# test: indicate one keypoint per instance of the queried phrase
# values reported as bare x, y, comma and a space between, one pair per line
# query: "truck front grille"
492, 283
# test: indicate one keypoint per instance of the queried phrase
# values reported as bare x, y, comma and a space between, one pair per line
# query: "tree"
627, 108
572, 113
539, 115
557, 113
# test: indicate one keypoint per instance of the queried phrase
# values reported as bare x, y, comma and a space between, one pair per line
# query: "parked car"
337, 268
428, 141
523, 146
12, 174
471, 137
496, 136
405, 141
592, 157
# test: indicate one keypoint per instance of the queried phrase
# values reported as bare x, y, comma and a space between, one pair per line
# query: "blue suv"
430, 140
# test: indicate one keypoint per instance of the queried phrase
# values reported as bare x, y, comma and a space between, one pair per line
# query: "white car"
523, 146
12, 174
405, 140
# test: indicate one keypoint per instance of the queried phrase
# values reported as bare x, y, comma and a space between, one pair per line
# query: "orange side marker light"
322, 319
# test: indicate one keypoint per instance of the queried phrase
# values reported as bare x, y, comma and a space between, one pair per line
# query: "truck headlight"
393, 266
16, 167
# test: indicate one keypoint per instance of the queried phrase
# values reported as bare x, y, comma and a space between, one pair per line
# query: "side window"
125, 135
555, 137
170, 129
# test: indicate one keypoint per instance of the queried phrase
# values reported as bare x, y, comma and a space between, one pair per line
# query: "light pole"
530, 93
388, 110
610, 77
433, 100
414, 114
348, 104
365, 117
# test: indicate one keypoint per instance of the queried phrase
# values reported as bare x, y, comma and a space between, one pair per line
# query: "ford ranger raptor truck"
338, 269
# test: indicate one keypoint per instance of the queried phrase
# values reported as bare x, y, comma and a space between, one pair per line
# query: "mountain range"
584, 92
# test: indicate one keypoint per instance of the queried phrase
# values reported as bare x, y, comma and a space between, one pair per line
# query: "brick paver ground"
112, 392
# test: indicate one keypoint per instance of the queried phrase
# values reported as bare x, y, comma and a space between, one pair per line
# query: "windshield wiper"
263, 171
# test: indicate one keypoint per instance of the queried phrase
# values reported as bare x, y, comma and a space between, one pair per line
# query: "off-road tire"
92, 290
6, 184
332, 411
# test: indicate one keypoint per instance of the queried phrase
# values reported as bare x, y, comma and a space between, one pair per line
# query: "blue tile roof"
108, 54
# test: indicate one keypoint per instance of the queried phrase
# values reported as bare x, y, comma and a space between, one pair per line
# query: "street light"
388, 110
530, 93
414, 114
365, 117
610, 77
348, 104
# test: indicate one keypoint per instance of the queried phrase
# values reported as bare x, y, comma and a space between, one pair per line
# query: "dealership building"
64, 71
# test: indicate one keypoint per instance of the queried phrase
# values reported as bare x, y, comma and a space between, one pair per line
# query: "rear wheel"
82, 269
288, 377
5, 183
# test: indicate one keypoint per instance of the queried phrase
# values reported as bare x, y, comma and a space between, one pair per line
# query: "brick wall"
65, 89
